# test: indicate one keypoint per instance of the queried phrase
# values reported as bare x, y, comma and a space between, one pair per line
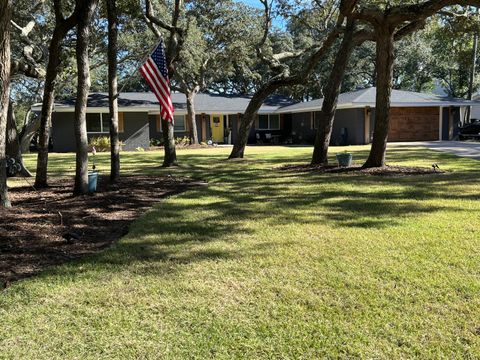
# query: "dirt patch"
381, 171
50, 226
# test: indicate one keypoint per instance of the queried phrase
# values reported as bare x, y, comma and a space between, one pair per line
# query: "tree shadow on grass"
254, 191
51, 226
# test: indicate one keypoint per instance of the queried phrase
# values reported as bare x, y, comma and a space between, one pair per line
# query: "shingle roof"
206, 103
366, 97
210, 103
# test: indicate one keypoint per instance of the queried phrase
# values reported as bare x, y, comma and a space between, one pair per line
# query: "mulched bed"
32, 232
381, 171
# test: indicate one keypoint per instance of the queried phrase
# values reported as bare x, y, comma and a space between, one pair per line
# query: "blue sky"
256, 3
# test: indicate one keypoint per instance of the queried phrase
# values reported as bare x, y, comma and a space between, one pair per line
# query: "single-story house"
475, 115
217, 118
414, 117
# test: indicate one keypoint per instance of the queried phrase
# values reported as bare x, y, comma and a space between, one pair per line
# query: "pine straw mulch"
32, 232
380, 171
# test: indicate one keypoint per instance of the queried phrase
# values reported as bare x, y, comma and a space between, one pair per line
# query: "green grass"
263, 264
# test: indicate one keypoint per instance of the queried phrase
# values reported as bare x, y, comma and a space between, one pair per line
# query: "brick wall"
414, 124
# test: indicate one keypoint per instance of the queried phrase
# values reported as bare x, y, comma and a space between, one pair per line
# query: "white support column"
366, 127
440, 124
229, 134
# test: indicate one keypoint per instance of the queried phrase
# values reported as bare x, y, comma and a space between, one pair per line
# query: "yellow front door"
216, 124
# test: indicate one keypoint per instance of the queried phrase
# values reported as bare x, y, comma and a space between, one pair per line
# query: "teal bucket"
92, 181
344, 159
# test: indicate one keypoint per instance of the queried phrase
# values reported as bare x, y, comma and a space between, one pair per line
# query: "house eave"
372, 105
151, 110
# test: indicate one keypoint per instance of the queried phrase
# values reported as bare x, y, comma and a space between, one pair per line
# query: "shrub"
179, 141
101, 143
182, 141
156, 142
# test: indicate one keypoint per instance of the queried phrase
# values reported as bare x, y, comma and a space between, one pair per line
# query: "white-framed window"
269, 122
99, 123
179, 123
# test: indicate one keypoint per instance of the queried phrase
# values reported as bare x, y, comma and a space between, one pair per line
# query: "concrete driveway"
459, 148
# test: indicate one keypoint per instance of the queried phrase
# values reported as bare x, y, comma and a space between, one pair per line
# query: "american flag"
155, 72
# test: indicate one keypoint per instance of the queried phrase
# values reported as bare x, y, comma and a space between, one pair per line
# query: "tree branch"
410, 28
57, 8
152, 27
464, 15
397, 15
266, 30
363, 35
150, 14
23, 68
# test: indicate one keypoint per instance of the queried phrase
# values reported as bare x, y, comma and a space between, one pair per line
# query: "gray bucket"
344, 159
92, 181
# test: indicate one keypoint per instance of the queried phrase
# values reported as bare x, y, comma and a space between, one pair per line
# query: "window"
100, 123
274, 122
262, 122
179, 123
94, 123
269, 122
105, 122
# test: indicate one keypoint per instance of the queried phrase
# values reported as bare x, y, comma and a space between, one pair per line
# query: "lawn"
269, 264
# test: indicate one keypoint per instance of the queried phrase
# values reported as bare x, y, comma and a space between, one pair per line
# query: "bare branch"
289, 54
152, 27
177, 34
18, 27
203, 71
266, 26
176, 13
176, 39
150, 14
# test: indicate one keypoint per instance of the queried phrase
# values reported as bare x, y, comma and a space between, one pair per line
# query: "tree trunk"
113, 90
191, 116
83, 87
472, 76
5, 16
384, 60
13, 143
59, 34
332, 91
29, 129
248, 118
170, 158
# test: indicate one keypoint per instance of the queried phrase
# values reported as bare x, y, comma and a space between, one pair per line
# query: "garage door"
414, 124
